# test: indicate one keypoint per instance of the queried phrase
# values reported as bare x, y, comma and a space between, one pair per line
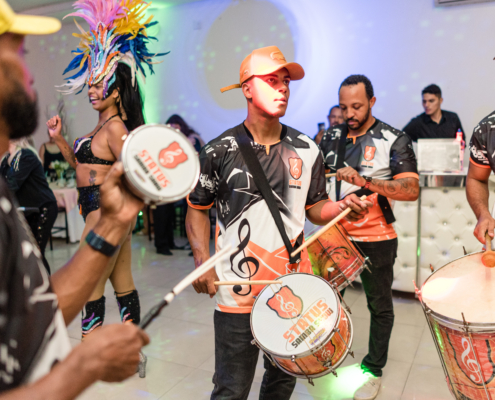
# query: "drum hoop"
132, 180
308, 352
444, 320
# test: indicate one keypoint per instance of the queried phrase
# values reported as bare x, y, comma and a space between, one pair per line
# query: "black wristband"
98, 243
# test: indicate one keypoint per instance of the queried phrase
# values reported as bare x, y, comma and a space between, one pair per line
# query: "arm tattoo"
397, 189
68, 154
92, 177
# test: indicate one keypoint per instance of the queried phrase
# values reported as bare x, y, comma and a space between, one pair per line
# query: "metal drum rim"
308, 352
151, 198
444, 319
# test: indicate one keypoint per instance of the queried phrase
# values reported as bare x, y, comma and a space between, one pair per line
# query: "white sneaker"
369, 389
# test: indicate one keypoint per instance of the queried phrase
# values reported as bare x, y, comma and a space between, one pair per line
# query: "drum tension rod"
325, 250
254, 342
310, 380
366, 262
346, 345
347, 308
480, 370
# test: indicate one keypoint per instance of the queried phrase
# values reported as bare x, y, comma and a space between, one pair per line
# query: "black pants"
163, 220
378, 289
235, 363
41, 225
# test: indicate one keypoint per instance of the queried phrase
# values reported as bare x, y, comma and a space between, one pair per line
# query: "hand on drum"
485, 224
204, 284
359, 207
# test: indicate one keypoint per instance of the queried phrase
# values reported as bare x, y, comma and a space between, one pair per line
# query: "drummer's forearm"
198, 233
403, 189
323, 212
66, 151
477, 196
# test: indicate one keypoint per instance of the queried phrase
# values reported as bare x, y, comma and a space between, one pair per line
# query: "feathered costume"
116, 34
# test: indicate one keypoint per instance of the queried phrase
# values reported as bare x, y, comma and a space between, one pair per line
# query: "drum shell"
334, 250
460, 350
333, 350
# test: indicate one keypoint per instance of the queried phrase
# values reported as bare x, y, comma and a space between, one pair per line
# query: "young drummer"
294, 168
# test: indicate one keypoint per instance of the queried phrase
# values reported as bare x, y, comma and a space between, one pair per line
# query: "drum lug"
254, 342
310, 380
366, 263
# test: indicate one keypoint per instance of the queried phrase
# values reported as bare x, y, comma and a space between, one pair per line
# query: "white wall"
401, 45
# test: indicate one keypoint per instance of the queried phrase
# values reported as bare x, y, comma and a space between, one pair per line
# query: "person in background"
164, 215
177, 122
24, 174
434, 123
35, 308
334, 118
48, 153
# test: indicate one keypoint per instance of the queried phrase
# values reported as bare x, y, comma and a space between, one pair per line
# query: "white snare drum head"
294, 317
464, 286
160, 163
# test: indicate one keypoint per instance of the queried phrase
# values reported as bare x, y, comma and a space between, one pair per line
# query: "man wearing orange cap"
36, 357
293, 168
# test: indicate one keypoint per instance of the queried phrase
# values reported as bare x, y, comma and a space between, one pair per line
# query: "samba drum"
161, 165
459, 304
335, 258
301, 326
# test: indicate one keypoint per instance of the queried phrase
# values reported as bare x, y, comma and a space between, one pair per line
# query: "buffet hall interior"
432, 69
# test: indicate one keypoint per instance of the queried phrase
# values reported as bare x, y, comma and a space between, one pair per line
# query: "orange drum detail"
334, 257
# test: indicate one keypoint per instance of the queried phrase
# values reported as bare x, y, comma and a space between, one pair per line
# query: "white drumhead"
160, 163
464, 286
294, 317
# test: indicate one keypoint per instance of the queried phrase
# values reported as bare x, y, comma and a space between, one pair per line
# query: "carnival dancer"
374, 159
294, 169
110, 55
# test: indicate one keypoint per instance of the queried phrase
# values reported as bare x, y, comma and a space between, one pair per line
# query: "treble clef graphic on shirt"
245, 265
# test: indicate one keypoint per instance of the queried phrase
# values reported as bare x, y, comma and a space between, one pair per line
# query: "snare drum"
334, 257
161, 165
301, 326
459, 304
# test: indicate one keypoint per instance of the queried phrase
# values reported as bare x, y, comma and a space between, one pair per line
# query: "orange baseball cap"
264, 61
25, 24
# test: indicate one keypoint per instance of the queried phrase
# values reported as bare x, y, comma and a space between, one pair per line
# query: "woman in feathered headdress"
110, 55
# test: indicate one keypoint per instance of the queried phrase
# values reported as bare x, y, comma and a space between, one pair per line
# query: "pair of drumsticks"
225, 252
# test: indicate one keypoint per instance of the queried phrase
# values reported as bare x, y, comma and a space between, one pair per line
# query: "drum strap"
382, 200
261, 182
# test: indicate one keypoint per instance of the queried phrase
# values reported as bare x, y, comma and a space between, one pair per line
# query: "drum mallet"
488, 257
206, 266
248, 283
324, 229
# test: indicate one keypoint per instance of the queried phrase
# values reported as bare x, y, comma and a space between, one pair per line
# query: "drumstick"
330, 175
209, 264
324, 229
488, 257
249, 283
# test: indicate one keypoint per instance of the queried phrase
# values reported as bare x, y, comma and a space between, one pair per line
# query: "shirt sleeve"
21, 167
205, 193
317, 189
412, 130
402, 158
477, 146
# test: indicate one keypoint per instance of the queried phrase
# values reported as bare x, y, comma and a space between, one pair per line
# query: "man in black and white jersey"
294, 168
482, 163
371, 158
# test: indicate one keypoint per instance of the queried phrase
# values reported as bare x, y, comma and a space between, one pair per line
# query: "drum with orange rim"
334, 257
458, 300
301, 326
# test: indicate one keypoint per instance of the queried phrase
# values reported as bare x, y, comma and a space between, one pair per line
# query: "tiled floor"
181, 352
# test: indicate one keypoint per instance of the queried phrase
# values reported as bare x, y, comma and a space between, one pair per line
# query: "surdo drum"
459, 304
301, 326
334, 257
161, 165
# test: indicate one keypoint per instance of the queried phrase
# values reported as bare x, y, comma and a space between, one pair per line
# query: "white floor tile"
426, 383
196, 386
